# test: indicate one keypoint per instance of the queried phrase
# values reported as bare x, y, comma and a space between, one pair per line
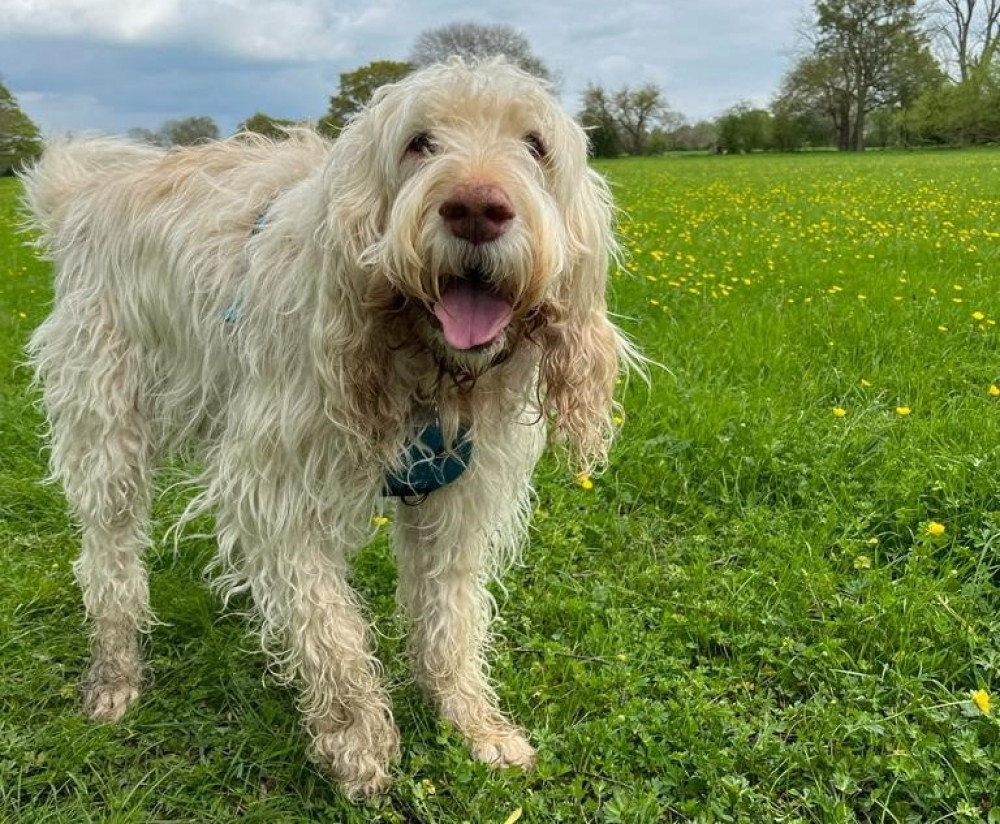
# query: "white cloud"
139, 59
266, 29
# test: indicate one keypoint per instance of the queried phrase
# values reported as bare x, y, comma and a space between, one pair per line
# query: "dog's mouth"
472, 314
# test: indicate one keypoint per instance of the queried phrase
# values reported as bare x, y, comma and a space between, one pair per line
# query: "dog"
398, 319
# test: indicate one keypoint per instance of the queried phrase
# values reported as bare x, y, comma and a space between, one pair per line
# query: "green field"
777, 605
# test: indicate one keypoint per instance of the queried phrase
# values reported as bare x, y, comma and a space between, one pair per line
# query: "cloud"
264, 30
114, 64
116, 86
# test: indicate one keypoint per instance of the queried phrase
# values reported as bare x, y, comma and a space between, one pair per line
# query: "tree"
744, 128
637, 111
700, 136
20, 140
142, 135
813, 87
794, 127
865, 55
188, 131
599, 123
624, 119
475, 41
263, 124
912, 72
968, 31
356, 89
965, 107
864, 40
960, 113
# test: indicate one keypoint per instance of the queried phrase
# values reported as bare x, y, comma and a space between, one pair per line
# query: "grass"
746, 618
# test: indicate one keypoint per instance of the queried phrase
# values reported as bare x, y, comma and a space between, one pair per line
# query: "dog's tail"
69, 165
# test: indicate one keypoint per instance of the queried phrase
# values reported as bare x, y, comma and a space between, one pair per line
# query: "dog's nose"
478, 212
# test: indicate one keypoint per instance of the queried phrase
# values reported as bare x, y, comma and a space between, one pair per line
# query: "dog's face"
479, 175
463, 199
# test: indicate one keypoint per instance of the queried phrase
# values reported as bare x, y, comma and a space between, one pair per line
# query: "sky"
113, 65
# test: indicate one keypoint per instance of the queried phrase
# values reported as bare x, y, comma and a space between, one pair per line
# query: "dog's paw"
111, 686
107, 701
358, 758
504, 748
375, 782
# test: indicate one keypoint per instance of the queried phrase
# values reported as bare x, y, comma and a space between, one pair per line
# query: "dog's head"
464, 192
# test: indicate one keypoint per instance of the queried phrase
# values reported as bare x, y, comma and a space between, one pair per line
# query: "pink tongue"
471, 315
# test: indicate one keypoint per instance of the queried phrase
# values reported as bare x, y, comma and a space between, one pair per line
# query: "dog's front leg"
313, 623
441, 545
346, 708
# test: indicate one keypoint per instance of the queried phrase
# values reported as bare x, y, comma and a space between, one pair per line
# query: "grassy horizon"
781, 603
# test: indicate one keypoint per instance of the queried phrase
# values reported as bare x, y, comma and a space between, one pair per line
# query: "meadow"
780, 603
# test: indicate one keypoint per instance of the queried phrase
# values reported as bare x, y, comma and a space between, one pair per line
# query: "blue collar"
427, 464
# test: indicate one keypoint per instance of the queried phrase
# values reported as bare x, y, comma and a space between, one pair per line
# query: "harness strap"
428, 465
231, 314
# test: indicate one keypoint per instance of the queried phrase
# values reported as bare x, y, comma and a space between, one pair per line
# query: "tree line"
867, 73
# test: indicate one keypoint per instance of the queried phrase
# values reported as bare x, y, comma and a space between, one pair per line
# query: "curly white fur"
299, 405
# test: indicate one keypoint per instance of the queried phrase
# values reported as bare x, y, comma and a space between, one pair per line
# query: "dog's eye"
421, 144
535, 145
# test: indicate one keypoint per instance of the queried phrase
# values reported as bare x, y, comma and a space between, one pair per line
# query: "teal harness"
427, 465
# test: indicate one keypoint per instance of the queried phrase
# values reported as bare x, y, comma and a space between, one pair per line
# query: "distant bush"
20, 139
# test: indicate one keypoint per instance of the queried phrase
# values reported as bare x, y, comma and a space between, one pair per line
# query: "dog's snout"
478, 212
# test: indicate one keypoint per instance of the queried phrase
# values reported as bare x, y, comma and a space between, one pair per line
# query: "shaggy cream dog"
331, 325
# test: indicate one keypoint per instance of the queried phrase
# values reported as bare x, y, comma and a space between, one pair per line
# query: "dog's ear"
354, 363
358, 195
582, 349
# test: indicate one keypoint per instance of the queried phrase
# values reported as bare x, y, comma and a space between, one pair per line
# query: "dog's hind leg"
102, 453
444, 546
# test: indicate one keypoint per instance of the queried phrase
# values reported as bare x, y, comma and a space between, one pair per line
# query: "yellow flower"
978, 316
618, 420
583, 479
862, 562
994, 390
903, 410
380, 520
981, 698
513, 817
839, 411
935, 530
